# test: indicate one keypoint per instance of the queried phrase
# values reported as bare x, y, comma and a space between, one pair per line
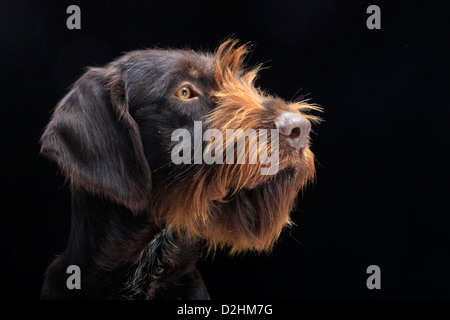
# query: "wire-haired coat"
139, 220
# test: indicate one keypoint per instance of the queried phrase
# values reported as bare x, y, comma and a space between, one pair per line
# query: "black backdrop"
382, 151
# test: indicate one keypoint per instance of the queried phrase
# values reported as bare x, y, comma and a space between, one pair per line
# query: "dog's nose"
294, 129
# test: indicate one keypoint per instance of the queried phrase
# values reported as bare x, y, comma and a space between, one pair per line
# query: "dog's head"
187, 137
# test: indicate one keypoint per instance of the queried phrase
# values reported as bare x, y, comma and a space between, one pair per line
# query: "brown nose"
294, 129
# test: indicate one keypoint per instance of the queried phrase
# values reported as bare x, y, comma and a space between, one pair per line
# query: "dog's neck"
107, 234
116, 252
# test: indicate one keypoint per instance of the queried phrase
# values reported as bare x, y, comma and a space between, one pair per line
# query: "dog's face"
114, 134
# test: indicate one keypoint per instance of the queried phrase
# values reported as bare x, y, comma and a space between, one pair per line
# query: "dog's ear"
97, 143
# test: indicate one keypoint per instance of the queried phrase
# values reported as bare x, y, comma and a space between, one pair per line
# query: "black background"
382, 186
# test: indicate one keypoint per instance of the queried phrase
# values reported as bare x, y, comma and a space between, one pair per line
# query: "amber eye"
184, 93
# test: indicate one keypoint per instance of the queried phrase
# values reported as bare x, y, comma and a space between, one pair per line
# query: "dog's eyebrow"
193, 71
199, 65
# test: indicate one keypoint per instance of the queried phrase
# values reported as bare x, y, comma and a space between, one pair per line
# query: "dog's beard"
208, 204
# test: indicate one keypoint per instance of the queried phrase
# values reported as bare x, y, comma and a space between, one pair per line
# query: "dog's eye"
184, 93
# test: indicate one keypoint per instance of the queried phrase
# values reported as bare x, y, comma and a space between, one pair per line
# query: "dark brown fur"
135, 213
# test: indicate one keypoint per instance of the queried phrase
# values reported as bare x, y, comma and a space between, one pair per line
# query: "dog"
140, 222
